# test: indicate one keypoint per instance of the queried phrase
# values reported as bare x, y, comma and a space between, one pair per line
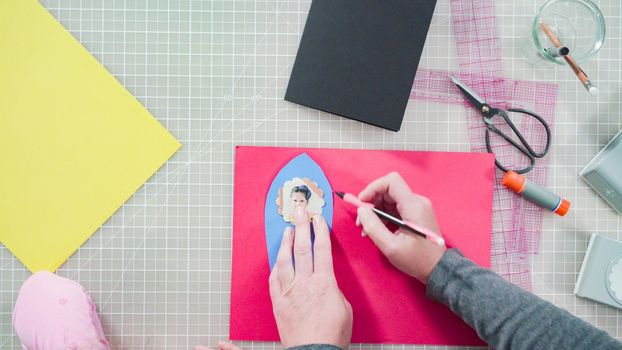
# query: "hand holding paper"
410, 253
308, 306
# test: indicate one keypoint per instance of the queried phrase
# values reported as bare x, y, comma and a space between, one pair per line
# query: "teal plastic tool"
604, 172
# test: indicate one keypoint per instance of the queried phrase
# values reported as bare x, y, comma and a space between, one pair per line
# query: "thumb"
375, 229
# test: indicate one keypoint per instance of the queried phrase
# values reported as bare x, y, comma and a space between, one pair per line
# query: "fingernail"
288, 232
363, 233
317, 219
358, 221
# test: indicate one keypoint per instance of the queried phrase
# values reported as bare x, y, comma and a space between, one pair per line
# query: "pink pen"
422, 231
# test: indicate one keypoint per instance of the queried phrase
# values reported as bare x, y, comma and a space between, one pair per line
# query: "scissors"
489, 113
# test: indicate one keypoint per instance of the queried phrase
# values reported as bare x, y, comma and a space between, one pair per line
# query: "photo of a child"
300, 196
299, 192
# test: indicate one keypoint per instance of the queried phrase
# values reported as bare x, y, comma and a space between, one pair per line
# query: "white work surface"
215, 73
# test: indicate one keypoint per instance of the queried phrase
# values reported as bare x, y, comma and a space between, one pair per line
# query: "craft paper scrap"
301, 182
74, 143
389, 307
358, 59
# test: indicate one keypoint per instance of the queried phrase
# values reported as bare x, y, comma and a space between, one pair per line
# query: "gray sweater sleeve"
504, 315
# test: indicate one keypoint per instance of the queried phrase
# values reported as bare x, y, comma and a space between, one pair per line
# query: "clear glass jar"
577, 24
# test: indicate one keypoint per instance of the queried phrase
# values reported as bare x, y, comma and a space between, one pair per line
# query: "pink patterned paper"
517, 224
477, 40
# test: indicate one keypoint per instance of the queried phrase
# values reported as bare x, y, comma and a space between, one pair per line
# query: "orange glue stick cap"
515, 182
563, 208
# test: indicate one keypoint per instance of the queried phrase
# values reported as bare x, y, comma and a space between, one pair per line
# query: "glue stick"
535, 193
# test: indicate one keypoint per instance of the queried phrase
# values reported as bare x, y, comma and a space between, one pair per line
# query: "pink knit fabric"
53, 313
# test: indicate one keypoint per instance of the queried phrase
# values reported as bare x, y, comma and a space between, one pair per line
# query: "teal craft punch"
604, 173
600, 278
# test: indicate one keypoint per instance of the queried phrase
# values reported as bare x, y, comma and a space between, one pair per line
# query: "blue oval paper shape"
302, 166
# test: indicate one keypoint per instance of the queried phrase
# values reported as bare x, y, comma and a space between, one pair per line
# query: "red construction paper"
388, 306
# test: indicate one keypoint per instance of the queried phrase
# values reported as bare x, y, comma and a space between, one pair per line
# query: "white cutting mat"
214, 73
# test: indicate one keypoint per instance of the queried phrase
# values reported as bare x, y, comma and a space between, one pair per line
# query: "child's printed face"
299, 200
299, 193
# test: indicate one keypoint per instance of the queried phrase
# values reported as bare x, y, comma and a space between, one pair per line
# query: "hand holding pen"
401, 223
410, 253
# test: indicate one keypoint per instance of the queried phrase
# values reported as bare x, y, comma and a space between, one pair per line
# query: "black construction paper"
358, 58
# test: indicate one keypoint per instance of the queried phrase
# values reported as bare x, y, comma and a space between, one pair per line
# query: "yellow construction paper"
74, 143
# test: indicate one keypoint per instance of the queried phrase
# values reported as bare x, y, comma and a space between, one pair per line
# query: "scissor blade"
471, 95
